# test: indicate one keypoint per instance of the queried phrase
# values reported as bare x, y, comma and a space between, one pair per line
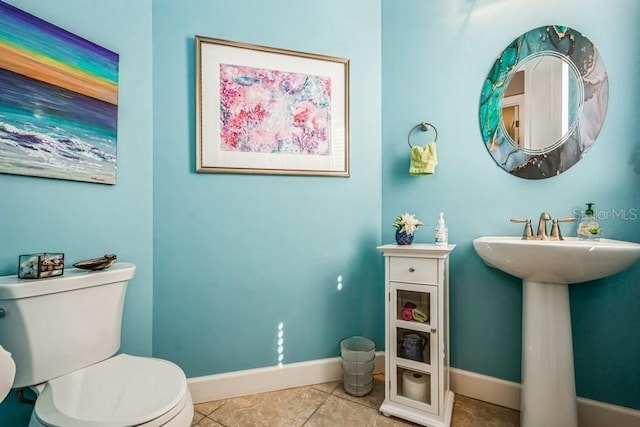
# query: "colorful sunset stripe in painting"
58, 102
271, 111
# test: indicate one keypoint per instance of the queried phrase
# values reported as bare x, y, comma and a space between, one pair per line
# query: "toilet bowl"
7, 372
121, 391
63, 334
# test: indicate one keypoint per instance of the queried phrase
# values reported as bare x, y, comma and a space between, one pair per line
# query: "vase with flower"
405, 226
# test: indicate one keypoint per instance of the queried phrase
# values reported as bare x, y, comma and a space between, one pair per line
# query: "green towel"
423, 159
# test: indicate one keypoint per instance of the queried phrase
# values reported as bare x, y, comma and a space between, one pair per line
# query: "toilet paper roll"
415, 386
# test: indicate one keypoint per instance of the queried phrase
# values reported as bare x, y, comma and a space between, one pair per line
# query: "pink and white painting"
272, 111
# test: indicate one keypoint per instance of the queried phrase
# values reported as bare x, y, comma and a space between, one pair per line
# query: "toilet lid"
7, 372
121, 391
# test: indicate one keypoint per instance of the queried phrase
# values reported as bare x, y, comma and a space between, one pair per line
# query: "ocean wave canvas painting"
58, 102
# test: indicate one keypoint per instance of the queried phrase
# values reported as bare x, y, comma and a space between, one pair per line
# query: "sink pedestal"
548, 384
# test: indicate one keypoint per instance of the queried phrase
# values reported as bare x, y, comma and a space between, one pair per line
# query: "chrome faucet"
542, 226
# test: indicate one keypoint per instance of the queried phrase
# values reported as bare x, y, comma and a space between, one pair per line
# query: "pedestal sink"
546, 268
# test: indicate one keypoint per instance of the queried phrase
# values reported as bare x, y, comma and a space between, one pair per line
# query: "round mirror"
543, 102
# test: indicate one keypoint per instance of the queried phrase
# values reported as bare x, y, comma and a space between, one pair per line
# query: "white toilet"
62, 333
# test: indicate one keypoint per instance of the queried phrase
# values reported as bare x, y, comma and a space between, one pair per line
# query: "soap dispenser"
589, 228
442, 233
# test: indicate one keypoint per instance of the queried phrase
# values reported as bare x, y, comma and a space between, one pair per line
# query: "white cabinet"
417, 333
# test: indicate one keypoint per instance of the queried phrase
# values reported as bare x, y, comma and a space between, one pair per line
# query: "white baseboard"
485, 388
262, 380
591, 413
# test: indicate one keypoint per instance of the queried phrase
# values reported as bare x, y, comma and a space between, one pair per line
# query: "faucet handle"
527, 233
567, 219
556, 234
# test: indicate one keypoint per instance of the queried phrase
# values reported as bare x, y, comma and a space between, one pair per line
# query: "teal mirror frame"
576, 49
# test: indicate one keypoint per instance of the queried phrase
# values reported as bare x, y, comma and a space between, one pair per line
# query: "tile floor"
328, 405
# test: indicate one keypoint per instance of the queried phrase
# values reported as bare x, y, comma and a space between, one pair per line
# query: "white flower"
407, 223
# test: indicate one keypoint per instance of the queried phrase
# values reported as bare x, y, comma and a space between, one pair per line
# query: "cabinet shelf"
413, 325
413, 365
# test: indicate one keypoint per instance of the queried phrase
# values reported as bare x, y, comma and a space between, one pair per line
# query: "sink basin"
566, 261
547, 267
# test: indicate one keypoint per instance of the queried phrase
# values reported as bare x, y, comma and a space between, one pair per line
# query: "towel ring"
424, 127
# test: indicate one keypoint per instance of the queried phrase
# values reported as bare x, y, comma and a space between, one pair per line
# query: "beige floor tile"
329, 405
468, 412
327, 387
196, 418
208, 407
285, 408
372, 400
207, 422
336, 411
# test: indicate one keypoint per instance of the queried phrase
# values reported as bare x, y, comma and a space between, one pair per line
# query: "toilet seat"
121, 391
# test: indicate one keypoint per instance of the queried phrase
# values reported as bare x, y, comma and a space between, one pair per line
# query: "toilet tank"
58, 325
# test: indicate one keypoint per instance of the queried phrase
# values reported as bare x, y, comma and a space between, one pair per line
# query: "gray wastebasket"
358, 361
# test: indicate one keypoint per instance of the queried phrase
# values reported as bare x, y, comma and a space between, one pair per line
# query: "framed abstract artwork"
264, 110
58, 102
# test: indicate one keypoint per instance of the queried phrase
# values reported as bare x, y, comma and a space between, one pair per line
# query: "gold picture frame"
263, 110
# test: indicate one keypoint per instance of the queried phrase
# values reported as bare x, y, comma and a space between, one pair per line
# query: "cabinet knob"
434, 330
411, 269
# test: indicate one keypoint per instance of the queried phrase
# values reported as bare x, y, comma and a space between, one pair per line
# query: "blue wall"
86, 220
236, 255
435, 57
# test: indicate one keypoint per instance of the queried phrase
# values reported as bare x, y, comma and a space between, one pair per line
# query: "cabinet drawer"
416, 270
